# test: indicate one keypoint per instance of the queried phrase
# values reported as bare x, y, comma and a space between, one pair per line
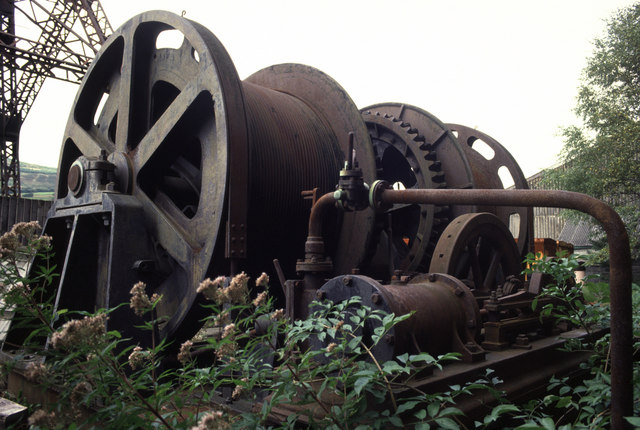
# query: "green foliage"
319, 372
568, 304
584, 404
602, 157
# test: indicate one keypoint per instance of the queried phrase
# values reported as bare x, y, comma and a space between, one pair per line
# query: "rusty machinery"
173, 170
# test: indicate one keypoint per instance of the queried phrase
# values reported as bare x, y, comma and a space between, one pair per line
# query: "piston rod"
619, 263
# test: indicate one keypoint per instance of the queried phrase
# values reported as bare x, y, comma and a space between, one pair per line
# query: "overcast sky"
508, 68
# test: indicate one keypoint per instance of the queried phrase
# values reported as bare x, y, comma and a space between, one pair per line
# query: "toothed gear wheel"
405, 159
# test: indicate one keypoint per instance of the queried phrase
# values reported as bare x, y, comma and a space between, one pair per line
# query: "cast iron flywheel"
172, 170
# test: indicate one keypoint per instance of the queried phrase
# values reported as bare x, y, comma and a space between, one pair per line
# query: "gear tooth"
367, 112
419, 138
435, 167
377, 113
386, 115
412, 130
438, 178
430, 156
404, 124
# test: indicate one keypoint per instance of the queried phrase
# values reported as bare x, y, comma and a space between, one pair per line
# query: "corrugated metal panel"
17, 209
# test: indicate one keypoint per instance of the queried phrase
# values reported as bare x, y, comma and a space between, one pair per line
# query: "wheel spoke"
173, 239
86, 143
165, 124
474, 262
490, 278
124, 93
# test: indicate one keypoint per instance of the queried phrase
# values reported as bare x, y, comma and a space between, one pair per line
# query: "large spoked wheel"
489, 168
479, 250
167, 118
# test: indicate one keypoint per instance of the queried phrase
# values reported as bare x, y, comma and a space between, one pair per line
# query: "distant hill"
37, 182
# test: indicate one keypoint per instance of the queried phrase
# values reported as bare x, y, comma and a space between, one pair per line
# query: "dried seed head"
263, 280
36, 372
222, 319
211, 289
26, 229
138, 357
213, 421
260, 299
237, 392
237, 291
89, 331
140, 302
277, 314
331, 347
184, 356
43, 419
229, 330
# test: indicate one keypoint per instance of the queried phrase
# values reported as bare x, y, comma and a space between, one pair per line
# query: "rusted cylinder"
445, 316
619, 265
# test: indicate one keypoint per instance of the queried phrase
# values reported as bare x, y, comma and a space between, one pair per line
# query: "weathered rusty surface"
478, 249
485, 176
338, 112
619, 266
404, 157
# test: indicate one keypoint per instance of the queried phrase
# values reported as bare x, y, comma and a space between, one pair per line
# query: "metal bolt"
69, 223
376, 298
105, 220
432, 277
347, 281
493, 298
522, 339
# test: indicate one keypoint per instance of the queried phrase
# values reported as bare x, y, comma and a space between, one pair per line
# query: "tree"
601, 158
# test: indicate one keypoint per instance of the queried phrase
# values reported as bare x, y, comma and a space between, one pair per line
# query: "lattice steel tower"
70, 34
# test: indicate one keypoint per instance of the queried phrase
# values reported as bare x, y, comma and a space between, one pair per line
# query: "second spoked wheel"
479, 250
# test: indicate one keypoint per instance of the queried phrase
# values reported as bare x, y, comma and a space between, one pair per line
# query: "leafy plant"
569, 304
318, 372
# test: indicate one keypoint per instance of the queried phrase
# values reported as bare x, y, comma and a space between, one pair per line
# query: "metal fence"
17, 209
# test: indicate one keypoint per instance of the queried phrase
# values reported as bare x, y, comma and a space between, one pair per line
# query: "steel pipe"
619, 264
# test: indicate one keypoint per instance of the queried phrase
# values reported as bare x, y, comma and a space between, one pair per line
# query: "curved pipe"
314, 246
317, 214
619, 264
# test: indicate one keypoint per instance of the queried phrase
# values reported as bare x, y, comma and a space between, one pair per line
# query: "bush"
251, 355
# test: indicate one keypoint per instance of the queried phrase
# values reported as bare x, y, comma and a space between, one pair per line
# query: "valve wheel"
479, 250
167, 117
